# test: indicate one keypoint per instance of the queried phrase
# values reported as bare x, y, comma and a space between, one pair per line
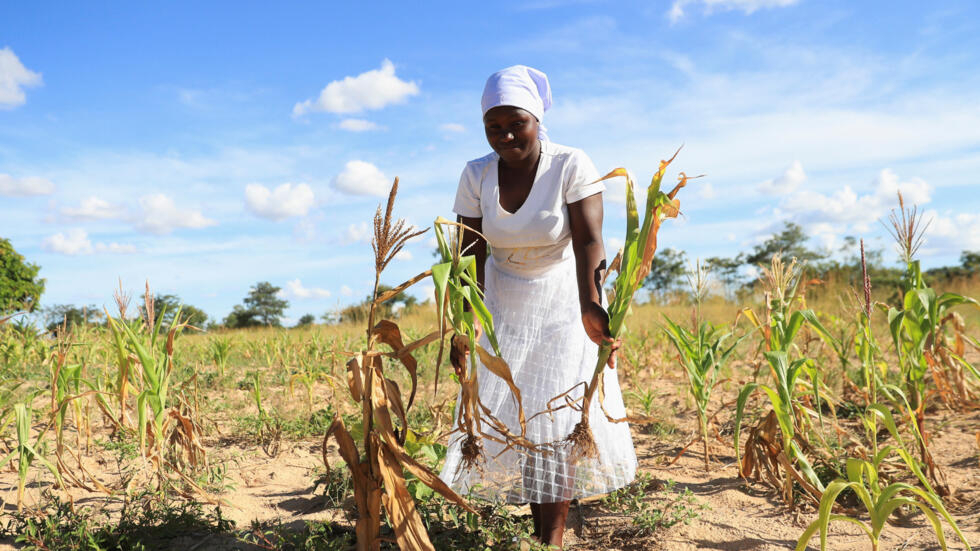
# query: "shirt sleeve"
468, 195
580, 178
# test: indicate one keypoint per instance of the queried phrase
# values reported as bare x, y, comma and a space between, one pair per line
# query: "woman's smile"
512, 132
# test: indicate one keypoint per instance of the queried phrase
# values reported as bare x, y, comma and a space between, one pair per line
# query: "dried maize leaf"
382, 417
388, 332
394, 396
388, 295
350, 455
497, 366
421, 472
354, 377
614, 266
413, 346
409, 529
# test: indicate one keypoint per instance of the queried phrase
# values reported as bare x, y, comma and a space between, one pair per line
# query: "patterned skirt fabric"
539, 329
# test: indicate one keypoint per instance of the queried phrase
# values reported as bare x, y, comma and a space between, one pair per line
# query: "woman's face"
512, 132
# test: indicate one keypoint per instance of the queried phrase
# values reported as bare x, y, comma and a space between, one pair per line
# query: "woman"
540, 208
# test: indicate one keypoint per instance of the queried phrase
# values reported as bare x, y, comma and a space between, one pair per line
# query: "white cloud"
452, 127
614, 243
358, 125
357, 233
295, 289
845, 206
787, 182
23, 187
285, 201
370, 90
706, 191
76, 242
403, 255
346, 291
710, 6
161, 216
14, 77
362, 178
951, 233
93, 208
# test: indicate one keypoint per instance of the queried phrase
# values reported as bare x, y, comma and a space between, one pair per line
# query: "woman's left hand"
596, 323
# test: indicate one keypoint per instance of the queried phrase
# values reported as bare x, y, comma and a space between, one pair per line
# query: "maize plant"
377, 466
702, 353
169, 437
929, 338
878, 499
635, 262
460, 305
26, 452
776, 443
220, 349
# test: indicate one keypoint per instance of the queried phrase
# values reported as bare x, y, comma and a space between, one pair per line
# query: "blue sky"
208, 147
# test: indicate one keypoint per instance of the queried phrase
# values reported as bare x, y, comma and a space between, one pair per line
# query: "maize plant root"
582, 442
472, 451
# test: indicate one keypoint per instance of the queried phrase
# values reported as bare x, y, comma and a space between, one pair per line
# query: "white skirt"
539, 329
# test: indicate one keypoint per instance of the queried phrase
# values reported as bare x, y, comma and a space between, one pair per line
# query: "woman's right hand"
459, 349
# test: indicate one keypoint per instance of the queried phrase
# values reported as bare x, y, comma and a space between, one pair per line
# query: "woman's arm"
585, 219
475, 244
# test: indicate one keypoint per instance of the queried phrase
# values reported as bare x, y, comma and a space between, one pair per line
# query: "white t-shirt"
537, 236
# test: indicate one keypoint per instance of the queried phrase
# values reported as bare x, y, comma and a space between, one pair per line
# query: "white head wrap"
519, 86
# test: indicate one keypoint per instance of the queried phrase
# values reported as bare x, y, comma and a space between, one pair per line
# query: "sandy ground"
740, 515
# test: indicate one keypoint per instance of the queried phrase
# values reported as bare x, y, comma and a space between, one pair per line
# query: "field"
239, 459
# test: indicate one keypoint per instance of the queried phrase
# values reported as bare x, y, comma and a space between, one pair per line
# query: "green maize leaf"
856, 469
467, 264
43, 461
805, 466
441, 241
486, 318
784, 416
792, 328
822, 332
156, 326
632, 216
743, 396
932, 499
149, 366
5, 460
824, 513
472, 282
886, 416
962, 361
141, 418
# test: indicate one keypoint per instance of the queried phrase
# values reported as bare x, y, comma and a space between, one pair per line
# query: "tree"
71, 316
263, 299
666, 271
307, 319
726, 270
970, 261
359, 312
20, 288
240, 317
262, 306
791, 242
